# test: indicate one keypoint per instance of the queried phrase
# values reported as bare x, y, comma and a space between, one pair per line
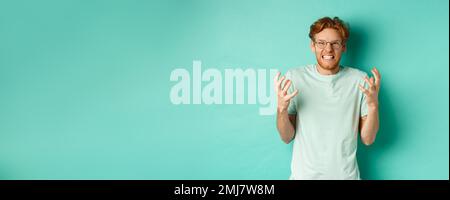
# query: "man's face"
328, 47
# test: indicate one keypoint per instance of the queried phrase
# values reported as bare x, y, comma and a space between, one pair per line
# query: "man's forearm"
370, 126
285, 126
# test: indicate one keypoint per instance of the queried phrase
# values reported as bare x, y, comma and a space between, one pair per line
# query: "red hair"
327, 22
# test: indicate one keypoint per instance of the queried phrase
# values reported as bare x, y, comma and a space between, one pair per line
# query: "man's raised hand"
374, 88
282, 92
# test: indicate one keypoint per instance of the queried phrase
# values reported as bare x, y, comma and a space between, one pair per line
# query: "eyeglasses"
321, 44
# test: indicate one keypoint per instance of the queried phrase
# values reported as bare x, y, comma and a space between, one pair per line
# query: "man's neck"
323, 71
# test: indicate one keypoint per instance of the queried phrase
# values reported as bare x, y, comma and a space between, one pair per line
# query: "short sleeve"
292, 108
364, 109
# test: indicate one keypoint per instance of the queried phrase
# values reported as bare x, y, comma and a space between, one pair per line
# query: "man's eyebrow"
328, 41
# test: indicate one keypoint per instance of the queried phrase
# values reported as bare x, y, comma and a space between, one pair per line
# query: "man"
322, 107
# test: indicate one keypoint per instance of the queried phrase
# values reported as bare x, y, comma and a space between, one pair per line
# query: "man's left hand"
373, 90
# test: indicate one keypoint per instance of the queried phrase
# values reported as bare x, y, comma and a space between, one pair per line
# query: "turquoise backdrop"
85, 84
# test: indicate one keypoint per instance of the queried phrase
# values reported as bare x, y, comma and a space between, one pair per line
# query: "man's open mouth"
328, 57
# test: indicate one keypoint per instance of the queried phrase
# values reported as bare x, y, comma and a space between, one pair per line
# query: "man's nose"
328, 47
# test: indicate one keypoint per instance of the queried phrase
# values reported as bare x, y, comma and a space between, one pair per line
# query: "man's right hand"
283, 97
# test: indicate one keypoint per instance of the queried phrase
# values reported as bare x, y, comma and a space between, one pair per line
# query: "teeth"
327, 57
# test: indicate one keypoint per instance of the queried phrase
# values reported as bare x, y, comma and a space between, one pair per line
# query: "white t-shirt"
328, 109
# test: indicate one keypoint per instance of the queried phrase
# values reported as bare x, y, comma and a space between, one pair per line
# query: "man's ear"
312, 47
344, 47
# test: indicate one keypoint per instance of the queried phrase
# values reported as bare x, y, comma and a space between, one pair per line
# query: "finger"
376, 72
377, 76
287, 85
278, 87
368, 82
374, 86
293, 94
363, 90
282, 79
275, 79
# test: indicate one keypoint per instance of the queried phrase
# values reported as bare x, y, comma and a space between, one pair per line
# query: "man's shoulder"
357, 73
295, 71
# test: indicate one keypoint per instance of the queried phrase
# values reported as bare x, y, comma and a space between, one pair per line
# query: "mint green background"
84, 86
